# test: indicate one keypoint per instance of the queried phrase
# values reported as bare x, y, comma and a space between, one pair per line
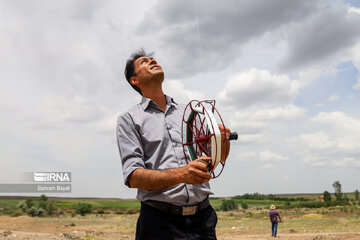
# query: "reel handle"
233, 136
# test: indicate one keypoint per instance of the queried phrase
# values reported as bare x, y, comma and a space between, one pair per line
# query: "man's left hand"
225, 144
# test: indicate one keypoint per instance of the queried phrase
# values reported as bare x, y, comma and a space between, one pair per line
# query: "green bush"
244, 205
29, 202
100, 211
83, 208
227, 205
131, 211
327, 196
22, 205
41, 212
43, 198
33, 211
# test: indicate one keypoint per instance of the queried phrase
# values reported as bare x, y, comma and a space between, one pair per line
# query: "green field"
68, 205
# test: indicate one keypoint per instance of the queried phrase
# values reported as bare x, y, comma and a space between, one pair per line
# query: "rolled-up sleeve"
130, 146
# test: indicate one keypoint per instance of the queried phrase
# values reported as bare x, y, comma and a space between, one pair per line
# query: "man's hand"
225, 143
197, 172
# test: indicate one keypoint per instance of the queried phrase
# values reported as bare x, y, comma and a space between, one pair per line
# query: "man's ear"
134, 81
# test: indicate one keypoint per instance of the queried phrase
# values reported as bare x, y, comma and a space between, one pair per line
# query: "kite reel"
202, 136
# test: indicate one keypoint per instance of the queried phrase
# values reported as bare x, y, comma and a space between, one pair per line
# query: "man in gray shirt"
173, 194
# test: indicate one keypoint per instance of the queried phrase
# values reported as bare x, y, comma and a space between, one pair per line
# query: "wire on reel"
201, 134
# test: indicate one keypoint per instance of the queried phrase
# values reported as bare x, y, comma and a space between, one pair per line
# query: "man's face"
147, 69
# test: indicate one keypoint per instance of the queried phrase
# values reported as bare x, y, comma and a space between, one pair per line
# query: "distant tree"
327, 196
356, 193
338, 190
43, 197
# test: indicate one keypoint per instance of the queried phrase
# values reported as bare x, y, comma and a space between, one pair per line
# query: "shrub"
131, 211
83, 208
43, 198
327, 196
50, 207
100, 211
227, 205
244, 205
41, 212
22, 205
249, 214
33, 211
29, 202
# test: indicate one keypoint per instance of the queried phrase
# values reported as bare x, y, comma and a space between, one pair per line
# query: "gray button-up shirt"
150, 138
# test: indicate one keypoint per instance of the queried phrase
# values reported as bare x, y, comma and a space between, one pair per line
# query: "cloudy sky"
285, 74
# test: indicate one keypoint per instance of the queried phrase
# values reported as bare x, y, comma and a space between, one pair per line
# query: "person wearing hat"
274, 215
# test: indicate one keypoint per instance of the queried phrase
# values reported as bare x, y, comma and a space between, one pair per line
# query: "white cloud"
287, 113
314, 160
176, 89
320, 105
357, 85
356, 62
338, 139
347, 161
250, 122
354, 10
246, 156
258, 87
334, 98
317, 141
251, 138
341, 123
267, 156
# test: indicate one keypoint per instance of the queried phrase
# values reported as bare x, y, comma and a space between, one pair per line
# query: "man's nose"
153, 61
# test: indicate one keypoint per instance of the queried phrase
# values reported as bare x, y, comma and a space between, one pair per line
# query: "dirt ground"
306, 226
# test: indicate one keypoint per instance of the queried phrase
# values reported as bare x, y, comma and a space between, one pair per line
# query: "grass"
100, 203
125, 206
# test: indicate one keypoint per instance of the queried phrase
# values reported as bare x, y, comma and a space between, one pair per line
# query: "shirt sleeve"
130, 146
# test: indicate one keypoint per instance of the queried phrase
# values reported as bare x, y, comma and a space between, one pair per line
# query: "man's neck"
158, 97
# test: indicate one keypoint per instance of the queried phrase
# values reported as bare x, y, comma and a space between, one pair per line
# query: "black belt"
179, 210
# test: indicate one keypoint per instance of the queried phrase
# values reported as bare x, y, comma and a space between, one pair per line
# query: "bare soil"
297, 225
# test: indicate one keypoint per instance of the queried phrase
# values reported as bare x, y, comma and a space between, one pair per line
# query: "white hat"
272, 206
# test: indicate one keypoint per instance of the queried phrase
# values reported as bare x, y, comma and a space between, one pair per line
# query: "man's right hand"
197, 172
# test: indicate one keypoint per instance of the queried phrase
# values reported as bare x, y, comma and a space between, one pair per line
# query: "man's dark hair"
130, 67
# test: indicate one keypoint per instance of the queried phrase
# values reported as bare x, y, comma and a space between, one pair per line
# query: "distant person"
274, 215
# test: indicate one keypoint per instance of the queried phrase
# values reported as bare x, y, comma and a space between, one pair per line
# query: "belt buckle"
189, 210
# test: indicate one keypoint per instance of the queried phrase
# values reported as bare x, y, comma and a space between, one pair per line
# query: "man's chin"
159, 74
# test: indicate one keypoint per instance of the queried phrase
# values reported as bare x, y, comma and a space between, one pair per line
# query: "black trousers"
156, 224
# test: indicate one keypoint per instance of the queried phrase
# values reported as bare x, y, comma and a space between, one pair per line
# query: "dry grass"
331, 223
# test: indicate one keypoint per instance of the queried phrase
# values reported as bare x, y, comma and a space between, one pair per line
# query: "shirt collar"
145, 102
